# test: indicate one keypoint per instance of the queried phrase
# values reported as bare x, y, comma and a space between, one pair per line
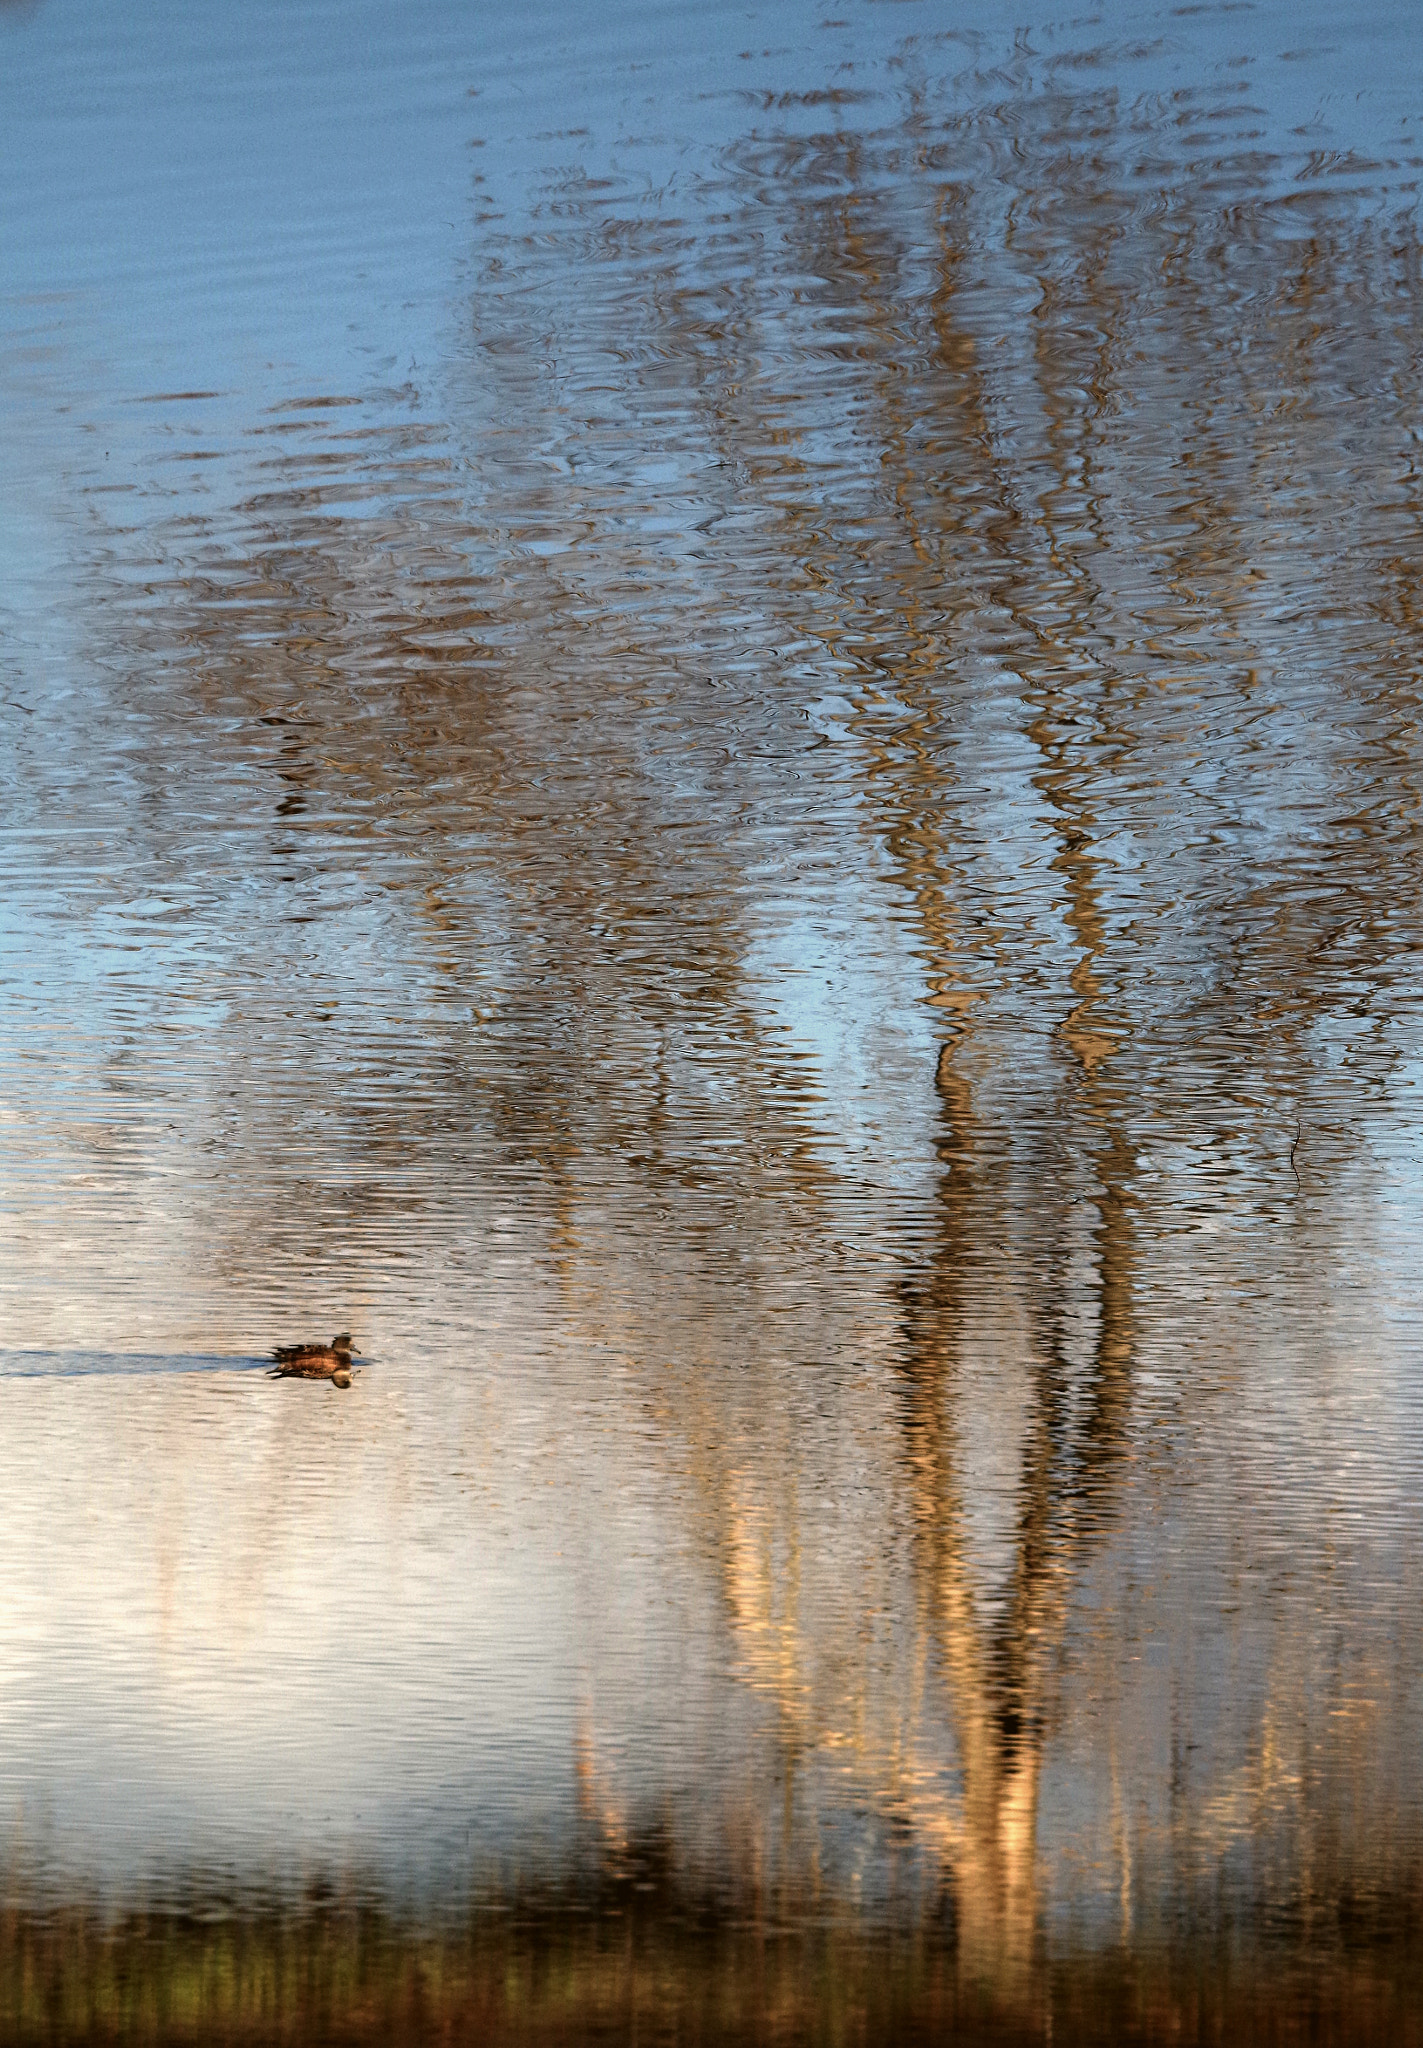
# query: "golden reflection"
998, 1675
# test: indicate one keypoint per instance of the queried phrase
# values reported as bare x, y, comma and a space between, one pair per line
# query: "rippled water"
712, 721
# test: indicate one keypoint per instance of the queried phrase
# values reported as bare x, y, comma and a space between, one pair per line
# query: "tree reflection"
925, 541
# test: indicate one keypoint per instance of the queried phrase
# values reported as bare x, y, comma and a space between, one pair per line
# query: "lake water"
711, 720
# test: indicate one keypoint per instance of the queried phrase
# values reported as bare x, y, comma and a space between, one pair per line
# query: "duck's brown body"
314, 1361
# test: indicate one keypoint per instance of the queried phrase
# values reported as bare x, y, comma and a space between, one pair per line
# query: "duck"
315, 1361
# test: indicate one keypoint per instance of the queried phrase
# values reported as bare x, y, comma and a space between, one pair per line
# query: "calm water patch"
68, 1364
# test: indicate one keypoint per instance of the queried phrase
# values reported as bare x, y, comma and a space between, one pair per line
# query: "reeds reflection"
792, 884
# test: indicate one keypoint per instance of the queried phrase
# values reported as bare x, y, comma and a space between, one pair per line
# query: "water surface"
712, 722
